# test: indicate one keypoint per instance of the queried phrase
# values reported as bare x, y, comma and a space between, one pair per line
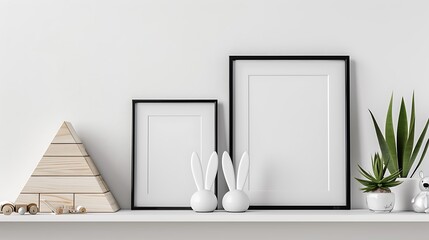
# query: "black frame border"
346, 60
133, 153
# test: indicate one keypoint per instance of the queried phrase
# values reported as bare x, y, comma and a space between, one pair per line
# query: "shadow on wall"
355, 146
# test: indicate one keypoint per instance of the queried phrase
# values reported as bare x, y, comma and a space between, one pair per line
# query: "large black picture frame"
346, 204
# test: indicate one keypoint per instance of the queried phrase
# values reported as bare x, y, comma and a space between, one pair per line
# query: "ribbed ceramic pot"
380, 202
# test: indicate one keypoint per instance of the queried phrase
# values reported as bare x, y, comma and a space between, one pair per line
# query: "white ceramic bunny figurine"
235, 200
204, 200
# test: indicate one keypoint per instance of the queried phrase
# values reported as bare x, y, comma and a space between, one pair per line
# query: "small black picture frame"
163, 117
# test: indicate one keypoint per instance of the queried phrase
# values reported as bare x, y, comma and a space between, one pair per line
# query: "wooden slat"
92, 166
82, 149
73, 132
66, 150
66, 134
104, 184
55, 166
56, 200
90, 184
27, 199
97, 202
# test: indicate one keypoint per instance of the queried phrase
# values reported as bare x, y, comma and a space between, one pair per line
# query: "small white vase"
405, 192
380, 202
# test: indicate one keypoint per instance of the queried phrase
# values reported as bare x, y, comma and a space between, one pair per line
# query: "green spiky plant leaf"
378, 182
399, 153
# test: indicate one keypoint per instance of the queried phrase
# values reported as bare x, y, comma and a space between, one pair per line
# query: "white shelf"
222, 216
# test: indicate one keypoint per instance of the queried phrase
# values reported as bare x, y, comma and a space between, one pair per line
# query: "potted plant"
400, 153
379, 198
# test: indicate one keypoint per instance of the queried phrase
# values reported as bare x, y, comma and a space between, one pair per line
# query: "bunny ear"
197, 171
211, 171
422, 175
228, 170
243, 170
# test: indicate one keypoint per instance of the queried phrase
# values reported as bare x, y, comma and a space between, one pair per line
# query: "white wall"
84, 60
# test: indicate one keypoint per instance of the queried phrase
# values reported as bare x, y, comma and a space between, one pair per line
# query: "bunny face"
424, 182
235, 201
203, 201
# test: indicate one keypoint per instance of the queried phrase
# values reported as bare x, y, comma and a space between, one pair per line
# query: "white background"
84, 60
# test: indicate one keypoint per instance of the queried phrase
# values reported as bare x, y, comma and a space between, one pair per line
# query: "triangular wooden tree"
66, 175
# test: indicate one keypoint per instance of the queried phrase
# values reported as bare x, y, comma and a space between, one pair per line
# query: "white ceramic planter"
380, 202
405, 192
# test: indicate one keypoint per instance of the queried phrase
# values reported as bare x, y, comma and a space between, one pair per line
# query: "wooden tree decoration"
66, 175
